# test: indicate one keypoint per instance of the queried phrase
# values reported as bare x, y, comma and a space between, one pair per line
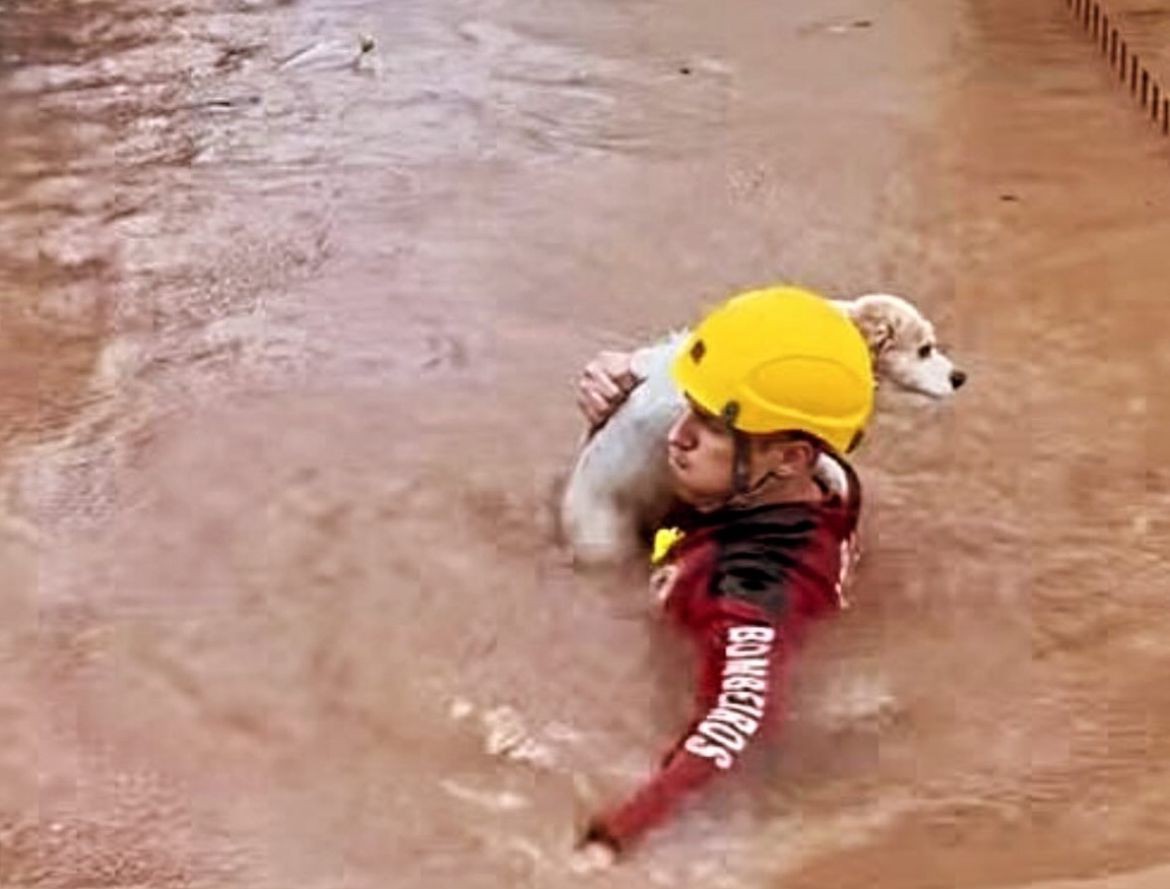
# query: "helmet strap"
742, 486
741, 464
741, 461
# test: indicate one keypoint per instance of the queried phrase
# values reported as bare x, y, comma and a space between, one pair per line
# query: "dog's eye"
925, 351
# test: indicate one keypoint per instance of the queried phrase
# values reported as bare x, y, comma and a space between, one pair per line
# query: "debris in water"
496, 801
509, 737
861, 703
851, 26
334, 55
367, 59
222, 104
460, 709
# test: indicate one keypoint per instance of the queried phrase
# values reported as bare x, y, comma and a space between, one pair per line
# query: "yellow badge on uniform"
664, 541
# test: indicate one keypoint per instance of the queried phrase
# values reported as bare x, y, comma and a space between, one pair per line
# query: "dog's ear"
875, 325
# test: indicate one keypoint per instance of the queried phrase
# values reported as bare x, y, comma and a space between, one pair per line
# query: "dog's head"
902, 344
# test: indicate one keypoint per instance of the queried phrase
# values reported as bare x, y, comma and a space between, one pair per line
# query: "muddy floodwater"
287, 335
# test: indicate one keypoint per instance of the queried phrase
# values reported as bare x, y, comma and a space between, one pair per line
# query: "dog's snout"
958, 378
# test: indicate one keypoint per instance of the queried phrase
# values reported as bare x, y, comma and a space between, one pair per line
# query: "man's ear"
787, 457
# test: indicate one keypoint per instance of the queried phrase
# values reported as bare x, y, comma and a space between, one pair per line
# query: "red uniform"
743, 583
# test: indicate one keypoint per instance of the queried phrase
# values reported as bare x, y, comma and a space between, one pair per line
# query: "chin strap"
742, 486
741, 475
741, 463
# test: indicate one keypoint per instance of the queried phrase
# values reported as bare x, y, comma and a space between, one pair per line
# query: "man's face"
701, 455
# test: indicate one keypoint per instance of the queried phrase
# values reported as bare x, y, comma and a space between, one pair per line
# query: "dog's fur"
620, 485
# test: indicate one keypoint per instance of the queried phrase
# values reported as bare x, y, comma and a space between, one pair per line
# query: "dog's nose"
958, 378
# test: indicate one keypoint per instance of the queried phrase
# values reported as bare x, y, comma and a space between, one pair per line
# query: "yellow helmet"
780, 359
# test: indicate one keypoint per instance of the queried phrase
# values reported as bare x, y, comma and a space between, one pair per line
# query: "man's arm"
604, 384
742, 664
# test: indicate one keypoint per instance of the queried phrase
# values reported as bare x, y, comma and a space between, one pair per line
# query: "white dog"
620, 485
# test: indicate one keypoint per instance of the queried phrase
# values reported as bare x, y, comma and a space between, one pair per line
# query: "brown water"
286, 350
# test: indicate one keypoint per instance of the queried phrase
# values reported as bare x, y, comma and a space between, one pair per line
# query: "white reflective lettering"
739, 683
701, 747
744, 724
751, 634
742, 699
721, 733
747, 702
746, 666
747, 649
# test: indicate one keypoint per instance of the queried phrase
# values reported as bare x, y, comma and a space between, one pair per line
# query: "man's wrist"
596, 832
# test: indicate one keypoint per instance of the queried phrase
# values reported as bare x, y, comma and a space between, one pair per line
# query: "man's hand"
604, 384
592, 857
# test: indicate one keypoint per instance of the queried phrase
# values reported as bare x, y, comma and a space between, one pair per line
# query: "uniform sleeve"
741, 668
